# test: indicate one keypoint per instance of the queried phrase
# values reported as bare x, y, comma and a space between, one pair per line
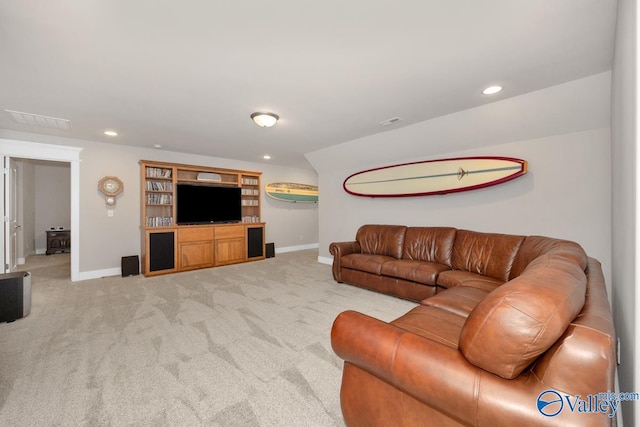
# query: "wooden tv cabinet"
168, 247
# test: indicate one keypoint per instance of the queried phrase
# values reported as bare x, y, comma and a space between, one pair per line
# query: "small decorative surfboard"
292, 192
434, 176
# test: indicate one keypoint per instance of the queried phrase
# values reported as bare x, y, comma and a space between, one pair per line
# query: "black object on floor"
270, 249
130, 266
15, 295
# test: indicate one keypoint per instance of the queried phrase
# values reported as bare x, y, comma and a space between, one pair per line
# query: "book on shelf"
159, 199
159, 221
249, 181
159, 186
158, 173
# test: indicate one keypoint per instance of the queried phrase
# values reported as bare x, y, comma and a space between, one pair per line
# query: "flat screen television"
202, 204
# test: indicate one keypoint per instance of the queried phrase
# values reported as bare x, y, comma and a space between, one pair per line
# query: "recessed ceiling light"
111, 133
158, 146
266, 157
491, 90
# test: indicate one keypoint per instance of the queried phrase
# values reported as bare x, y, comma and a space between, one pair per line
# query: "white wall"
104, 240
285, 224
563, 132
52, 200
624, 209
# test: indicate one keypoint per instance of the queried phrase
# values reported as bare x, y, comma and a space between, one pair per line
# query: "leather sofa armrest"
440, 377
338, 250
435, 374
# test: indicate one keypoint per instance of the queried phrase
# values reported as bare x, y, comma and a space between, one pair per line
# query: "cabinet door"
230, 244
229, 251
194, 255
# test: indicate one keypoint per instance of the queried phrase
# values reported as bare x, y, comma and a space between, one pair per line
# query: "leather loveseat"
508, 330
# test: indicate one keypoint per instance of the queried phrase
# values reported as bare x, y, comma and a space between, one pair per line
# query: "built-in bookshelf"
169, 247
250, 198
158, 196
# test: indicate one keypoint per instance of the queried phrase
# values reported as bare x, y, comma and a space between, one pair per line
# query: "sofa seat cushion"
365, 262
416, 271
453, 278
460, 300
433, 323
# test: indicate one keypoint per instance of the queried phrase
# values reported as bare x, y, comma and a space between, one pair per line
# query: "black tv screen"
200, 204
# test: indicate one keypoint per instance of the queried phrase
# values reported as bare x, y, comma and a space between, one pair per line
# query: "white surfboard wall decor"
434, 176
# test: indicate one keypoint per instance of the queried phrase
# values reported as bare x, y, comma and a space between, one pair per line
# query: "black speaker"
161, 251
130, 266
255, 242
15, 296
271, 250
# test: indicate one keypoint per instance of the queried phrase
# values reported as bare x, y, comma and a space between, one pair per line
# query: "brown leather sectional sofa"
509, 330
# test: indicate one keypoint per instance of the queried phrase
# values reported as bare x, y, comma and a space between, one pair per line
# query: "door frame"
55, 153
10, 216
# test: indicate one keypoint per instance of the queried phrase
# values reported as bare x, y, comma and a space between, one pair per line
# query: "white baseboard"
41, 251
97, 274
325, 260
21, 261
297, 248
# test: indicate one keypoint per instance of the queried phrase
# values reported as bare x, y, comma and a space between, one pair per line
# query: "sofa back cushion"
433, 244
588, 345
534, 246
523, 318
381, 239
487, 254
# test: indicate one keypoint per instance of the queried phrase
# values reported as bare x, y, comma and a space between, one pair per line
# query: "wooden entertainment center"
169, 247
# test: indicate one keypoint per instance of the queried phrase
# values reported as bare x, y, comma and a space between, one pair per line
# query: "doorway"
41, 204
52, 153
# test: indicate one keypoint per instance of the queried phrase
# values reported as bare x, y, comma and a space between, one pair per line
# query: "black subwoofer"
15, 296
271, 250
130, 266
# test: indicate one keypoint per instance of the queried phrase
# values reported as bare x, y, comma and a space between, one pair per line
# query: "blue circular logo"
549, 403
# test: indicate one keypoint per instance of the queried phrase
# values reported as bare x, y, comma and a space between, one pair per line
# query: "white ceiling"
187, 74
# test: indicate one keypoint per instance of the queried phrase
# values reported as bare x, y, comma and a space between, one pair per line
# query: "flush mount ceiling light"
266, 120
111, 133
491, 90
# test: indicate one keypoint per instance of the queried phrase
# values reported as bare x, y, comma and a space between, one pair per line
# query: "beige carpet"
243, 345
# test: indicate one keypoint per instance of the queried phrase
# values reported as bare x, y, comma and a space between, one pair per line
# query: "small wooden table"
58, 241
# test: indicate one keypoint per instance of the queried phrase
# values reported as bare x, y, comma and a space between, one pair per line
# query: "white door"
3, 216
11, 214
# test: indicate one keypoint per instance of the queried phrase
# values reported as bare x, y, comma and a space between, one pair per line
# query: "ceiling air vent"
390, 121
39, 121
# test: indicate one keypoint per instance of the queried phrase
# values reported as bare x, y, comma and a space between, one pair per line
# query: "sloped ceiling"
186, 75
